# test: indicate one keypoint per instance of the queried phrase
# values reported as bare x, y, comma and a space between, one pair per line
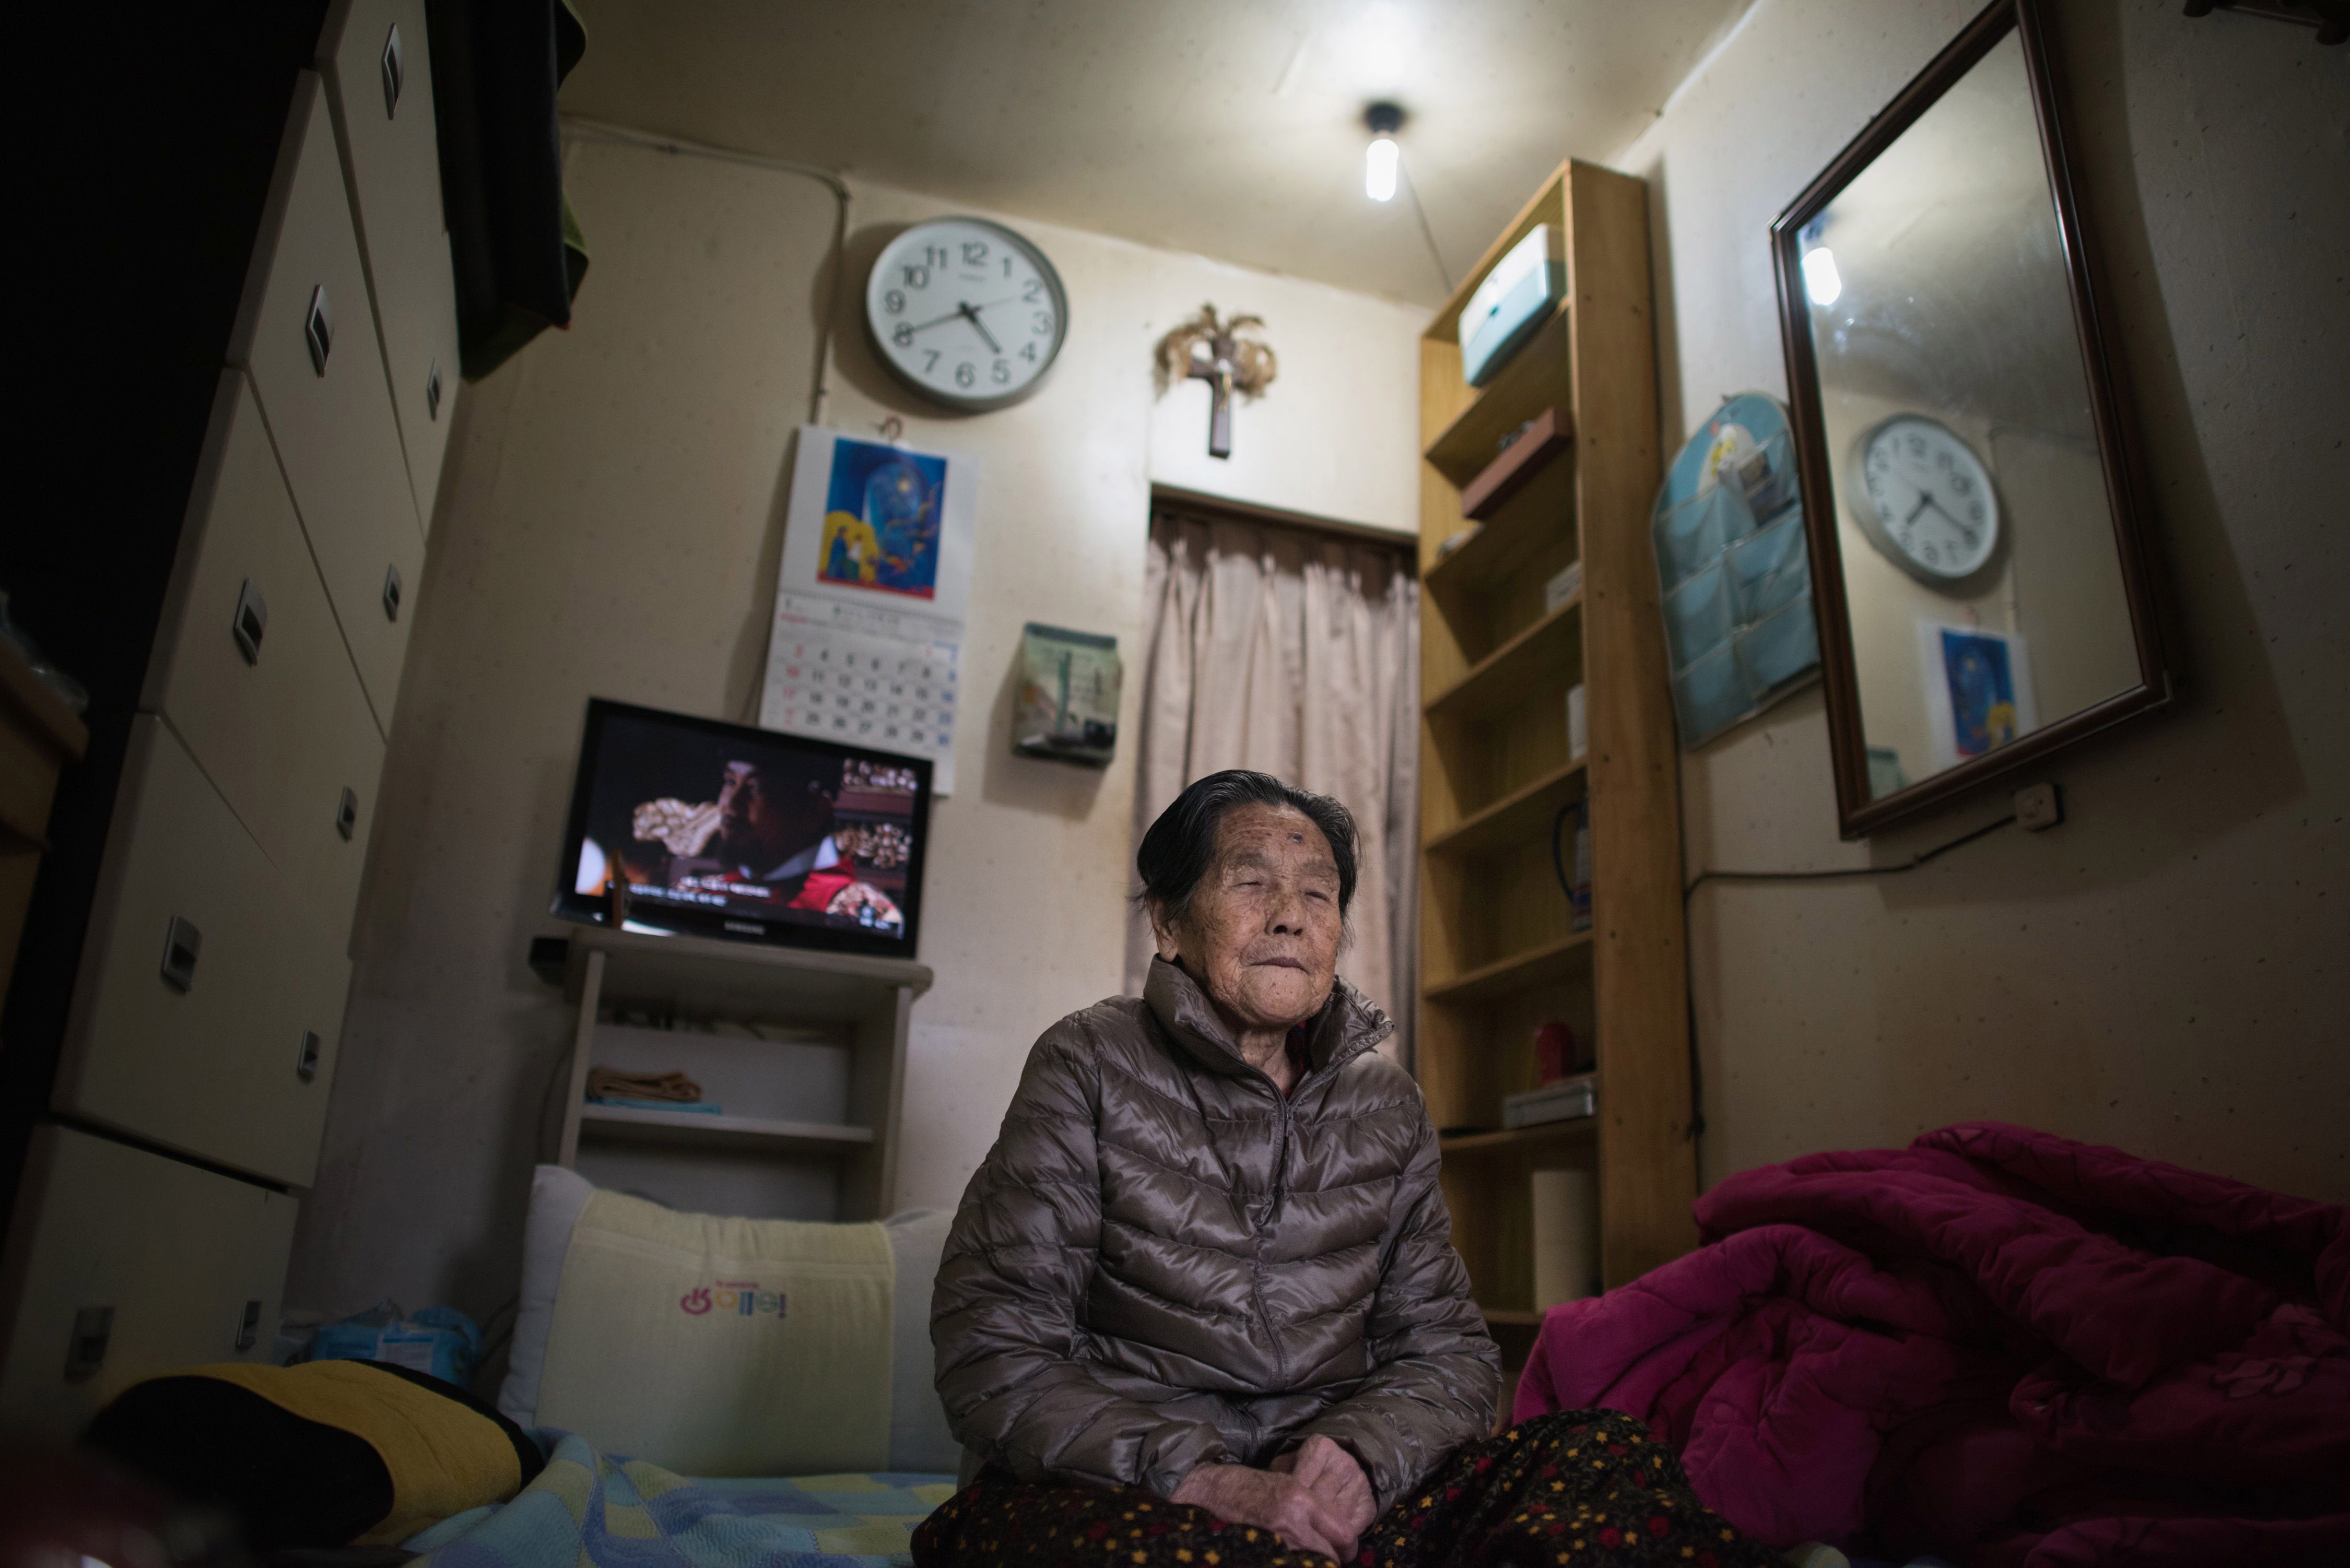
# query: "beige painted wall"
2170, 970
610, 524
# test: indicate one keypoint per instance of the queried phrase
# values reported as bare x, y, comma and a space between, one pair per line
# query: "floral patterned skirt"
1579, 1487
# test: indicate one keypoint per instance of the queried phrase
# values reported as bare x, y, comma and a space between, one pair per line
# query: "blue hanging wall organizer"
1733, 577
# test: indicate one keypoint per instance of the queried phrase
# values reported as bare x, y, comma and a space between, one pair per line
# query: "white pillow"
557, 1197
918, 1439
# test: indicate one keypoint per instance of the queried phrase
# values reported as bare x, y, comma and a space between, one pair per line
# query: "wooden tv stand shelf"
1557, 459
860, 1001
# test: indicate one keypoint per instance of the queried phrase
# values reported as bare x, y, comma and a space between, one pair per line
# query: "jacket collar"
1348, 1024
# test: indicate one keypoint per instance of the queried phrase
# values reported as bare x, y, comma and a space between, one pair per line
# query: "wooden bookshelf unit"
1499, 954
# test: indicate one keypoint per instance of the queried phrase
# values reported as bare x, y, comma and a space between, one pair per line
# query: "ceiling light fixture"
1381, 158
1821, 279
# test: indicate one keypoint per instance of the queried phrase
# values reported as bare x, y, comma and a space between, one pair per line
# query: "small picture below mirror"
1979, 555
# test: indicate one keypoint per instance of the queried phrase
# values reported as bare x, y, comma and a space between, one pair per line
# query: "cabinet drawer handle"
432, 393
305, 1062
252, 621
248, 1327
179, 951
346, 814
392, 592
93, 1326
318, 328
395, 72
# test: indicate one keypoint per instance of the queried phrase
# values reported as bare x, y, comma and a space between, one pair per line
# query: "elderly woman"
1201, 1304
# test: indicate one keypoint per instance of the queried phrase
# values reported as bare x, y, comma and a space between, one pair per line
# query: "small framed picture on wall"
1977, 689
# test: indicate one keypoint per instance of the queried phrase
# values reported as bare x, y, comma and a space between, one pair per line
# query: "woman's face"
1262, 930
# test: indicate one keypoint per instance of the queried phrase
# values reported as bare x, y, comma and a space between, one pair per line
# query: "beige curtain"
1296, 653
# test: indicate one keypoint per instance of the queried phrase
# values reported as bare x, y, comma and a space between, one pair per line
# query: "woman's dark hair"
1178, 850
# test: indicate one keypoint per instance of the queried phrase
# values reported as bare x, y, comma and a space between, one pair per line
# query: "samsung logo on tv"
745, 927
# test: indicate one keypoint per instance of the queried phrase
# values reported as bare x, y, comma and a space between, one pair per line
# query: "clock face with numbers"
1925, 499
966, 312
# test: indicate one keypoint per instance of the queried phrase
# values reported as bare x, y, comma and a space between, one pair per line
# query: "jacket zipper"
1272, 1211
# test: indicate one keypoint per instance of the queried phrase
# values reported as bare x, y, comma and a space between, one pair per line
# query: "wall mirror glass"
1979, 553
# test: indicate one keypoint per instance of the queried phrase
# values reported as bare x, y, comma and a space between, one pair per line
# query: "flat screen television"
724, 830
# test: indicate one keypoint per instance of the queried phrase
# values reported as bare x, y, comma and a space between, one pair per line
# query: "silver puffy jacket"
1163, 1263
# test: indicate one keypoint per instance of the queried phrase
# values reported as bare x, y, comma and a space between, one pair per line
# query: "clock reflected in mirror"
1925, 500
966, 312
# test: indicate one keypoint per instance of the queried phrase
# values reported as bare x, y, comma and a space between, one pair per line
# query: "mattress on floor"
603, 1509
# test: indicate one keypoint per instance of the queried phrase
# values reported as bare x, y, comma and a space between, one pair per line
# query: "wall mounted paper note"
864, 679
871, 596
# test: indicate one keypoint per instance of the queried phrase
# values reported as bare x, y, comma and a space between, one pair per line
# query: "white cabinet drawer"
379, 74
306, 334
251, 672
204, 984
125, 1264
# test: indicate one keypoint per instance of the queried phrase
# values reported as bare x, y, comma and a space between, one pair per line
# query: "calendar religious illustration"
867, 677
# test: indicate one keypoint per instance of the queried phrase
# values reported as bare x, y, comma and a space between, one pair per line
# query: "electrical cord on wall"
620, 136
1909, 864
1689, 953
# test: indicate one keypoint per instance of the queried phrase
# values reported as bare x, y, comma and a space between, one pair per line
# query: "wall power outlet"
2039, 808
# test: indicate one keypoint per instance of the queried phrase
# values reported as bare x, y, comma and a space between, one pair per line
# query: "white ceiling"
1230, 128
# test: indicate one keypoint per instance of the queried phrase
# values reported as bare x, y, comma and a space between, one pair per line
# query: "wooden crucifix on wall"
1206, 349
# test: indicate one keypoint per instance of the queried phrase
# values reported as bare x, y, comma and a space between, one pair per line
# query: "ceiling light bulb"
1379, 162
1820, 280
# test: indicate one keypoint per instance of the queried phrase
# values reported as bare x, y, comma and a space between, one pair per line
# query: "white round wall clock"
1924, 499
966, 312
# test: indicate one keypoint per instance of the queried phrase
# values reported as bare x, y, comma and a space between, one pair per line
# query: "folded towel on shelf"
629, 1102
607, 1082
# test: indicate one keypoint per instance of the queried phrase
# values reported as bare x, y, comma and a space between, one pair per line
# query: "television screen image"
725, 830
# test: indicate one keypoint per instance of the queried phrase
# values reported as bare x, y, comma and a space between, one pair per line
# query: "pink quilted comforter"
1995, 1344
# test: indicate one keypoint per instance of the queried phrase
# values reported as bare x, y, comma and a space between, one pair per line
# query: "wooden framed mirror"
1980, 547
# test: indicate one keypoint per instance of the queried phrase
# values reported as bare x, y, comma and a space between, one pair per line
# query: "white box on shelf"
1562, 1101
1512, 303
1578, 726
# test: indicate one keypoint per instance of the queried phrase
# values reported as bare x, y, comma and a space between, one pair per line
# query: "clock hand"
958, 312
1925, 499
1965, 531
972, 317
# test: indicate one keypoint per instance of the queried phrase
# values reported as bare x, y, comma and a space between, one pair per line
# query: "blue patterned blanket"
590, 1508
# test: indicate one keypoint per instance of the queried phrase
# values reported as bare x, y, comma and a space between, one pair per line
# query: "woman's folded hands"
1316, 1497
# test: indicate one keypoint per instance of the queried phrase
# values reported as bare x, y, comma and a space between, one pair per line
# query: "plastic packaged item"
1767, 476
440, 1341
1697, 616
1578, 725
